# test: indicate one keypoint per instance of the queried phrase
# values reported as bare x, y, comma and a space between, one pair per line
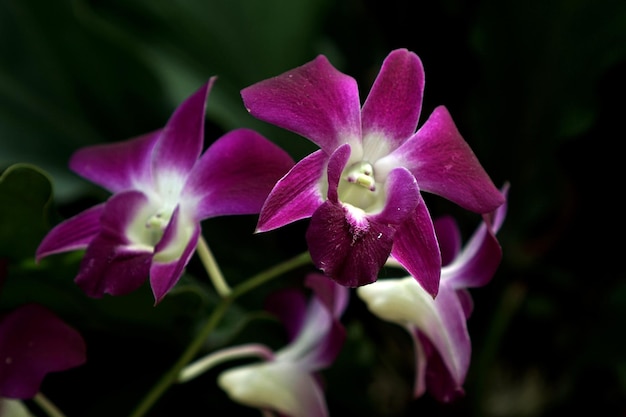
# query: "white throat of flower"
360, 188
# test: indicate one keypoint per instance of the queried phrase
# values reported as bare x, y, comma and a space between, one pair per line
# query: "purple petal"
236, 174
393, 106
296, 196
35, 342
111, 265
181, 140
449, 237
476, 265
444, 164
347, 246
289, 305
333, 296
169, 262
117, 166
321, 335
436, 377
416, 248
72, 234
447, 331
403, 197
442, 320
333, 299
336, 164
314, 100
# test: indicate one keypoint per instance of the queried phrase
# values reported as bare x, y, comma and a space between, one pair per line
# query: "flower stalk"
171, 376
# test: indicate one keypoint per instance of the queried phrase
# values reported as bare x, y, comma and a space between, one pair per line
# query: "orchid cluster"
362, 195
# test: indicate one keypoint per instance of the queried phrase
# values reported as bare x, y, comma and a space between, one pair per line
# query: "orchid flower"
362, 188
439, 326
162, 189
287, 381
33, 343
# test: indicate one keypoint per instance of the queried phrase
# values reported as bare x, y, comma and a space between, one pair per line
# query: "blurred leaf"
25, 191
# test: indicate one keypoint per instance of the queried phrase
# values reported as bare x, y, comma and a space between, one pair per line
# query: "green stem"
47, 406
212, 268
196, 344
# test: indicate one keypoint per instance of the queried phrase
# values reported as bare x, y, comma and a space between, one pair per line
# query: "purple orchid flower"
288, 381
162, 189
33, 343
362, 188
439, 327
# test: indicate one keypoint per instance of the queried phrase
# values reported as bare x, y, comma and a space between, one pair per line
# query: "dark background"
536, 87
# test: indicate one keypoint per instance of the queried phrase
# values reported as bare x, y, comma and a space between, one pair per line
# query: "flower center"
155, 226
362, 173
358, 187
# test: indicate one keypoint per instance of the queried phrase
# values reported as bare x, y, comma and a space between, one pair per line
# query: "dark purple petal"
72, 234
117, 166
449, 237
181, 140
334, 297
35, 342
437, 379
394, 103
444, 164
296, 196
314, 100
164, 274
416, 248
289, 305
236, 174
347, 246
111, 265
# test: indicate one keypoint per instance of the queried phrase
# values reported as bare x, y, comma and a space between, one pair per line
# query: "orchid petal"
180, 143
172, 254
117, 166
476, 265
236, 174
278, 386
112, 264
13, 408
346, 245
336, 164
435, 375
444, 164
403, 198
321, 336
334, 297
314, 100
72, 234
392, 108
442, 319
289, 306
296, 196
449, 237
35, 342
415, 247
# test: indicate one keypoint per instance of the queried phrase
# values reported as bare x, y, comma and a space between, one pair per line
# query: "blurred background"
536, 88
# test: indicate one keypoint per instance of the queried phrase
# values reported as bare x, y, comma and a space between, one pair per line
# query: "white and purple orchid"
362, 189
33, 343
162, 190
287, 381
439, 326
